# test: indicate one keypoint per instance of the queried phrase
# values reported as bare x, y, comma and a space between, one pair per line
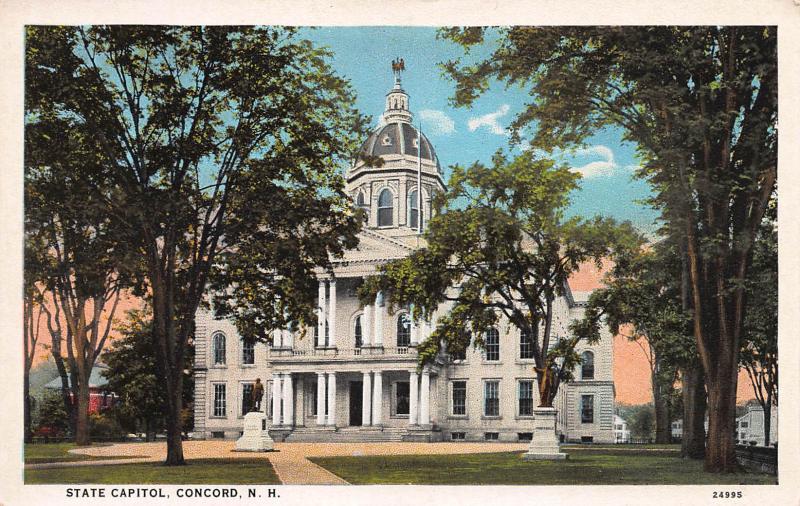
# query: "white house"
621, 432
355, 377
750, 426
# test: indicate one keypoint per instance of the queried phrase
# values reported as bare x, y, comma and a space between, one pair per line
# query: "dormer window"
386, 140
415, 143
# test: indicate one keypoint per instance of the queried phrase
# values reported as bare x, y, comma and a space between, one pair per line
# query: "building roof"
96, 378
398, 138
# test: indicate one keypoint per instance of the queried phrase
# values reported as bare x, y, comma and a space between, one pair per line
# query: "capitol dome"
398, 138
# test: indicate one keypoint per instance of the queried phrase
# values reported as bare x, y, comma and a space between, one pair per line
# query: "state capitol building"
355, 377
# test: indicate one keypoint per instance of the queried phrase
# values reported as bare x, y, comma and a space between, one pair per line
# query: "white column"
276, 399
377, 399
380, 311
288, 400
425, 398
413, 392
289, 338
332, 398
320, 398
366, 326
332, 314
321, 314
414, 333
366, 400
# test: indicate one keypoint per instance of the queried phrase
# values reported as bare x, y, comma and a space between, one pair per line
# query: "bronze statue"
255, 397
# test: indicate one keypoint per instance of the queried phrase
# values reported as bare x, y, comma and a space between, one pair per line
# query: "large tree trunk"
82, 437
663, 433
27, 393
693, 443
767, 420
721, 449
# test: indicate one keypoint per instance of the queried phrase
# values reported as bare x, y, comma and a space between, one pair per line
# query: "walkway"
290, 461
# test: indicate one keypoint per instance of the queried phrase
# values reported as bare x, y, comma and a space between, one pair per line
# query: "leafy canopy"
500, 245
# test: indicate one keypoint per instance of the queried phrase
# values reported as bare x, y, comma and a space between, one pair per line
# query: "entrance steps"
347, 435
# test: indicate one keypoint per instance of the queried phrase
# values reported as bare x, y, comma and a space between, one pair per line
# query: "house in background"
750, 426
621, 432
99, 397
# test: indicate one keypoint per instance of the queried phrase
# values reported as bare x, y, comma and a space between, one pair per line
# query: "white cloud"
490, 121
437, 122
605, 166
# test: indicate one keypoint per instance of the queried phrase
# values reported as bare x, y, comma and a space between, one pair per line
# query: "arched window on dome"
587, 365
361, 202
403, 330
413, 210
386, 209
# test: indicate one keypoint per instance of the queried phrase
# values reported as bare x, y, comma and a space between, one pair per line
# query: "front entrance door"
356, 402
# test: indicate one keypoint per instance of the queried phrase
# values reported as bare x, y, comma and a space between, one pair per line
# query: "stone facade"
354, 376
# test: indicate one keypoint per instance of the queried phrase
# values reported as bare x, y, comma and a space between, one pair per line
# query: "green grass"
59, 452
584, 467
201, 471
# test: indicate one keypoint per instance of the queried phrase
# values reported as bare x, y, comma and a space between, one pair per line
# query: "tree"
132, 376
75, 267
501, 245
760, 352
700, 103
640, 420
188, 120
642, 294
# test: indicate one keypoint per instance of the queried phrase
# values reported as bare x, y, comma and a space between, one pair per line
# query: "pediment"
375, 247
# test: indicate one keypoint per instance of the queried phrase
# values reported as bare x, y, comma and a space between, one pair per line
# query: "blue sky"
363, 55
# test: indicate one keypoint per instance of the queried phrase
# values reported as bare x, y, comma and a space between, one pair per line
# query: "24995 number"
736, 494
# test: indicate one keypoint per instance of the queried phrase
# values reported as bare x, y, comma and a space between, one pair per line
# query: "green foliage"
105, 426
51, 414
641, 420
759, 354
500, 245
133, 375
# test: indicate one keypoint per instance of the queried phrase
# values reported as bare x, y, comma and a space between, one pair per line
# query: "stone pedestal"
256, 437
544, 444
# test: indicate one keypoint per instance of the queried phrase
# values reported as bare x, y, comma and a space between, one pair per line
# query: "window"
587, 408
402, 390
403, 330
458, 436
524, 436
219, 399
247, 398
386, 209
491, 436
525, 394
320, 343
219, 348
359, 333
744, 424
525, 345
386, 140
361, 203
460, 356
587, 365
218, 434
491, 398
492, 345
413, 211
460, 397
248, 352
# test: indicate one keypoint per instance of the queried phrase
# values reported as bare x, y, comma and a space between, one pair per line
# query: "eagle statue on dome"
398, 65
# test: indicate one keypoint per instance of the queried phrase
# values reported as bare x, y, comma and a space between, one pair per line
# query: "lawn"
202, 471
584, 467
59, 452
